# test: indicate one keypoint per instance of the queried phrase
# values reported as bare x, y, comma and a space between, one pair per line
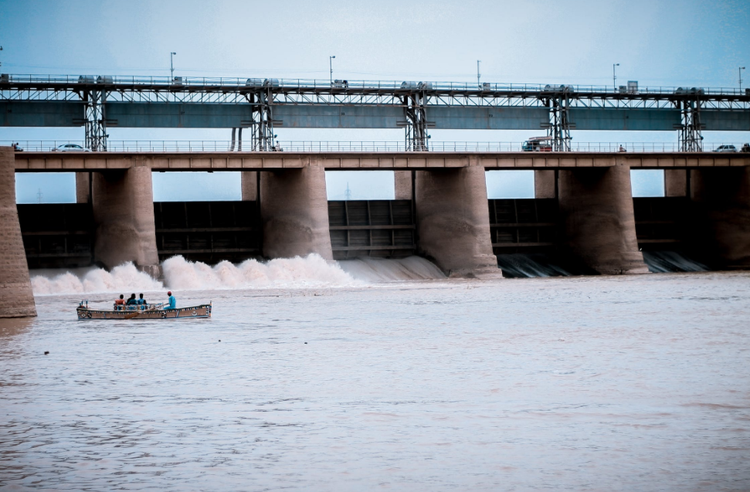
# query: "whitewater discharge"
311, 271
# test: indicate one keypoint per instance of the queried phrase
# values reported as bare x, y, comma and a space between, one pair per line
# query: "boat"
154, 312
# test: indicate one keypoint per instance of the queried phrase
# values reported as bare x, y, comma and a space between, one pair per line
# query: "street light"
171, 64
614, 75
330, 64
740, 71
478, 74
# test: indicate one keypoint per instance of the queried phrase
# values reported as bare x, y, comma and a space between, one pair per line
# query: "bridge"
583, 209
263, 105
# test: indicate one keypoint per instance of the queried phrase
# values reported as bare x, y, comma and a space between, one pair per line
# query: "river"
339, 380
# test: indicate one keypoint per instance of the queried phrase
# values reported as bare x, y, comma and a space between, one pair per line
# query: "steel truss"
690, 138
559, 123
94, 120
417, 139
262, 136
415, 99
38, 88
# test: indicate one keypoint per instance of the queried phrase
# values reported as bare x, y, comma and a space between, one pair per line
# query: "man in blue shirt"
172, 301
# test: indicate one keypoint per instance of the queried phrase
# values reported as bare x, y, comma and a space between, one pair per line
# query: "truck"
538, 144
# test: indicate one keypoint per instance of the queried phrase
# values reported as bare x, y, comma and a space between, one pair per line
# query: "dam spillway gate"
382, 228
63, 235
209, 232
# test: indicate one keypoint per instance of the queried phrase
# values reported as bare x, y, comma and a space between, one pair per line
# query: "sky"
658, 43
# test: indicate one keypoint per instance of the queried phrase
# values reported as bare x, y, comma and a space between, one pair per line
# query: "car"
726, 148
69, 147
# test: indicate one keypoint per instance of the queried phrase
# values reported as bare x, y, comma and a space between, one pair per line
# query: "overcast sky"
658, 43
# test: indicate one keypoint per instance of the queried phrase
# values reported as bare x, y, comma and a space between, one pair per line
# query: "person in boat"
172, 304
142, 302
132, 302
119, 303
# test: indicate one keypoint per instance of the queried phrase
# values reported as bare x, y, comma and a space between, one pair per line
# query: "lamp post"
478, 74
171, 64
614, 75
740, 71
330, 65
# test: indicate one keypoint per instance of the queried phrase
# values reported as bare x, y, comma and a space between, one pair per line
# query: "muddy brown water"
572, 384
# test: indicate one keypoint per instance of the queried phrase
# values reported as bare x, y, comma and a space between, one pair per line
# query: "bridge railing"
178, 82
338, 146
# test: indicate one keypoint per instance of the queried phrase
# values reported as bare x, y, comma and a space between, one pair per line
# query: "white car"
726, 148
69, 147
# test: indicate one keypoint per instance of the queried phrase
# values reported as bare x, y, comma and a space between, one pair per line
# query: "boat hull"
202, 311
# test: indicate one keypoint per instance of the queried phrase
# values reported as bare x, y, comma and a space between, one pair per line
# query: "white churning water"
292, 273
576, 384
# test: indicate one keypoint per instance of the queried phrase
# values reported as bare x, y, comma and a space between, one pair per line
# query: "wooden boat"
201, 311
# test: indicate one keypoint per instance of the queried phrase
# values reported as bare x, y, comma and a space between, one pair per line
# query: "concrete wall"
249, 186
453, 223
597, 207
544, 184
123, 205
721, 200
403, 183
16, 298
675, 182
294, 211
83, 187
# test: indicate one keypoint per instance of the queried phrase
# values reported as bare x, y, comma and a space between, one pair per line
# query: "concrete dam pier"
16, 298
583, 208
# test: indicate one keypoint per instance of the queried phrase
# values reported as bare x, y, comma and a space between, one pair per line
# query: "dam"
582, 212
583, 208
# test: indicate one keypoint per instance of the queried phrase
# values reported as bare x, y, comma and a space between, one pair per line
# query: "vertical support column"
721, 199
545, 185
249, 186
675, 182
402, 182
294, 212
597, 207
83, 187
453, 221
124, 217
16, 297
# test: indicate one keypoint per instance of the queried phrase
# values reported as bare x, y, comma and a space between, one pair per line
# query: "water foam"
123, 278
288, 273
311, 271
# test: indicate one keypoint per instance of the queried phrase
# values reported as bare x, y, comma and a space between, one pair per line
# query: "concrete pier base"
721, 201
544, 184
597, 207
675, 182
16, 297
249, 186
294, 211
123, 205
403, 185
83, 187
453, 223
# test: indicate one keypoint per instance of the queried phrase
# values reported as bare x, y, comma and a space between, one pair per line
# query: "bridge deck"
238, 161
